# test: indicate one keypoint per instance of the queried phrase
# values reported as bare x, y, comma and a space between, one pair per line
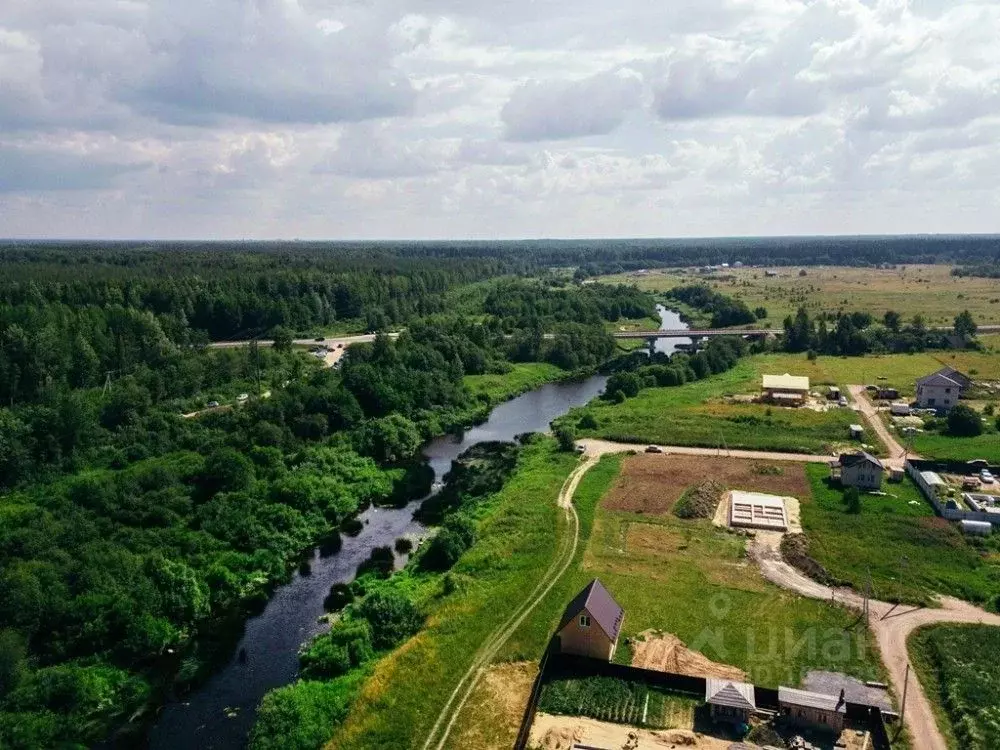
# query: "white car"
986, 476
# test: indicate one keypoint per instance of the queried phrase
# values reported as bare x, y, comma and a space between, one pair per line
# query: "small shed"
729, 701
591, 623
899, 409
977, 528
933, 482
857, 432
813, 709
834, 393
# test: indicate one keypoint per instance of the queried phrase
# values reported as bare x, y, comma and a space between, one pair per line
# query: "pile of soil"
700, 501
665, 652
795, 550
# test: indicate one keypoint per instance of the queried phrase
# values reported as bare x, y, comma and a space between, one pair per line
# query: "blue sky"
521, 118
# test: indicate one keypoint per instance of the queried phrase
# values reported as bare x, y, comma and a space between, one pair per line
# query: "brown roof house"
813, 709
941, 390
591, 623
729, 701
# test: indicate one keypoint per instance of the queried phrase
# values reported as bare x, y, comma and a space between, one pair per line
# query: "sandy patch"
492, 717
562, 732
652, 483
665, 652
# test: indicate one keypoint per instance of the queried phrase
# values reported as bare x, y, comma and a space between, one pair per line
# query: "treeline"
859, 333
724, 311
983, 270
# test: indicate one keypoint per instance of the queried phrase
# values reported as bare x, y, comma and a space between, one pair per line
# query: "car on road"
580, 449
213, 404
654, 449
986, 477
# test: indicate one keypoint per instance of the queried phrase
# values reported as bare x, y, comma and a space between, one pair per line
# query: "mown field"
956, 665
399, 701
930, 291
911, 553
697, 414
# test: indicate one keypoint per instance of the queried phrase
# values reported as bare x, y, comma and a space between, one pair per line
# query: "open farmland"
700, 414
957, 666
653, 483
911, 553
930, 291
695, 581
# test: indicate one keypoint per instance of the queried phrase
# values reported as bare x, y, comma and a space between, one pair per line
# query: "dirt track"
897, 453
597, 448
891, 624
481, 661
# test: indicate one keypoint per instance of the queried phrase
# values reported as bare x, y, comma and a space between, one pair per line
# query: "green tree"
852, 500
892, 320
964, 421
13, 660
392, 438
965, 325
391, 616
301, 716
566, 437
282, 338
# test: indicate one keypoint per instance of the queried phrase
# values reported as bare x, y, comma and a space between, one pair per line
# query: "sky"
399, 119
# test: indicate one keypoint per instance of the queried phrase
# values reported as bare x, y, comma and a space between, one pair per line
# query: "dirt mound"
665, 652
700, 501
795, 550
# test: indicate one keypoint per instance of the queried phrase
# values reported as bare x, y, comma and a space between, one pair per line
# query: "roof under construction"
785, 382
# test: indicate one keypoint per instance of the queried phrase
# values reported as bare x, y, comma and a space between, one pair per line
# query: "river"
220, 714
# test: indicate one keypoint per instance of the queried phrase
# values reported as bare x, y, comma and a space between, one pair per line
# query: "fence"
555, 665
914, 467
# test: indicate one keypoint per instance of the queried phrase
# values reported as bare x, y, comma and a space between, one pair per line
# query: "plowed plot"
652, 483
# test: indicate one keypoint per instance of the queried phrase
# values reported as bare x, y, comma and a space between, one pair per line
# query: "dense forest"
128, 531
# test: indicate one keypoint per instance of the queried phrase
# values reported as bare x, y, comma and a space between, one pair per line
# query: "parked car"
842, 401
654, 449
213, 404
986, 476
243, 397
581, 449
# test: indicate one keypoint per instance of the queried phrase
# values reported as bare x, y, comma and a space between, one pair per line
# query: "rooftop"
806, 699
786, 381
946, 376
728, 693
601, 606
860, 457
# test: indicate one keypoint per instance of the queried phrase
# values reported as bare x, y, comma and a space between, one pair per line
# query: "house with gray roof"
809, 709
860, 469
730, 701
591, 623
941, 390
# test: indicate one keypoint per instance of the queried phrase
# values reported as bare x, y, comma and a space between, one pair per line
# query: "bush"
457, 535
963, 421
566, 438
852, 500
301, 716
339, 597
404, 546
381, 562
347, 645
587, 422
391, 616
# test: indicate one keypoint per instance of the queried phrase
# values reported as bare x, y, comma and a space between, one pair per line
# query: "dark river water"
220, 714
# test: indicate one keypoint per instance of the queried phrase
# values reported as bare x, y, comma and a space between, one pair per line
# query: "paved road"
440, 732
891, 624
593, 447
897, 452
362, 338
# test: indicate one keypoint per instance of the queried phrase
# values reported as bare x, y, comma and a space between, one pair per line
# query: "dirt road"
597, 448
897, 452
440, 732
891, 624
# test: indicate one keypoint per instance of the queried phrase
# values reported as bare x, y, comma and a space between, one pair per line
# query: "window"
584, 621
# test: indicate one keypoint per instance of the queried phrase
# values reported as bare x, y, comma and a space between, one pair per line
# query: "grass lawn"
696, 414
692, 579
936, 445
517, 541
956, 665
523, 377
939, 559
930, 291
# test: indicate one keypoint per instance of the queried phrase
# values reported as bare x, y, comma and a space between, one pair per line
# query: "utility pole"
906, 684
107, 383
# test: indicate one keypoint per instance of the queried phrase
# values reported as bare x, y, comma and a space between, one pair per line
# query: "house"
790, 390
591, 623
810, 709
941, 390
729, 701
860, 469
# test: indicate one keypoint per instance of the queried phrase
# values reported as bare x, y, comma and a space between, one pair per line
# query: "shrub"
587, 422
347, 645
963, 421
566, 438
391, 616
301, 716
404, 546
852, 500
339, 597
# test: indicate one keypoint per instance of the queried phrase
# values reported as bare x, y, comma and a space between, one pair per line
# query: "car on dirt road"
213, 404
654, 449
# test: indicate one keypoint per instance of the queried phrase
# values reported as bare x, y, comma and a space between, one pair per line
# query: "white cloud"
529, 117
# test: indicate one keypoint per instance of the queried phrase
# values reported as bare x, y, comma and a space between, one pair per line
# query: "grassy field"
692, 579
399, 702
621, 701
523, 377
956, 665
930, 291
936, 445
697, 414
901, 525
899, 370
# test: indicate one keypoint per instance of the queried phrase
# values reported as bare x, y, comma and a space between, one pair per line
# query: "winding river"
220, 714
